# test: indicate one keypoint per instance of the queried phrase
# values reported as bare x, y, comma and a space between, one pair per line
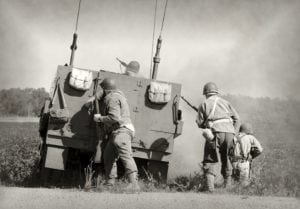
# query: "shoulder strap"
224, 107
244, 155
212, 112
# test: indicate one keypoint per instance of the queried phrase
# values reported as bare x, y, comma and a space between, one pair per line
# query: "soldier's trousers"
243, 172
218, 150
119, 147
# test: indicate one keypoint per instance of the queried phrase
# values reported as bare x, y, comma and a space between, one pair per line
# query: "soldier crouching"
246, 148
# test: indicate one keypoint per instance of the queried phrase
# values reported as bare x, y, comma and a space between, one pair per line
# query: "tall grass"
275, 172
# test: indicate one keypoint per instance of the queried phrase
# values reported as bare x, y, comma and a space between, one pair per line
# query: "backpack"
237, 153
254, 152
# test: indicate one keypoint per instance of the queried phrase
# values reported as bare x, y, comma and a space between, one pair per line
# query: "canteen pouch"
81, 79
61, 115
160, 93
208, 134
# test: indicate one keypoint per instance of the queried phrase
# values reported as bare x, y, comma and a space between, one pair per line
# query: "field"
276, 172
18, 152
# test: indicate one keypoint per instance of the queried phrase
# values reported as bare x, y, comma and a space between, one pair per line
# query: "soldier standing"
246, 148
120, 130
217, 116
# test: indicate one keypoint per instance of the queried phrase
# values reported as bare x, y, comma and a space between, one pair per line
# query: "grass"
18, 152
275, 172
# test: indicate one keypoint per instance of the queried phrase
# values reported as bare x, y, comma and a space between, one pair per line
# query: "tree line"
22, 102
263, 111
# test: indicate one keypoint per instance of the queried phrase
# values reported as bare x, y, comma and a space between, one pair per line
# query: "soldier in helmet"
217, 116
120, 130
132, 69
246, 148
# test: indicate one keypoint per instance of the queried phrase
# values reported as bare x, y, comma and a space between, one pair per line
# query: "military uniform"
117, 123
241, 159
223, 124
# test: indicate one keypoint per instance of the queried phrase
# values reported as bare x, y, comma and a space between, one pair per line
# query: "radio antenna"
73, 47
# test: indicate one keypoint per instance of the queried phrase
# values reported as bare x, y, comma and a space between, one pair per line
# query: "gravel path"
40, 198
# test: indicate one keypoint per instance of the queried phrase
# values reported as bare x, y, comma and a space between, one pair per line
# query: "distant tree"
38, 98
22, 102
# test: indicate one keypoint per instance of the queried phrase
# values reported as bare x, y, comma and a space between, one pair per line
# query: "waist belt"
116, 126
128, 126
242, 160
224, 120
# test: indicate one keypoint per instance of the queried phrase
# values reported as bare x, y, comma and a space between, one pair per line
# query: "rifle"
189, 104
122, 63
98, 154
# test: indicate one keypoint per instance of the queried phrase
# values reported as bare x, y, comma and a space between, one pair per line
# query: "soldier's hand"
97, 117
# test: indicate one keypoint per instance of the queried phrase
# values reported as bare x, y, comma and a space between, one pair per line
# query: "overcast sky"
246, 47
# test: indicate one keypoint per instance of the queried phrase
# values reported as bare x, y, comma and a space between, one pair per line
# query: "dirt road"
41, 198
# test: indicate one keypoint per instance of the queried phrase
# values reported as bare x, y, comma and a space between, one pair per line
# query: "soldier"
217, 116
246, 148
132, 69
120, 130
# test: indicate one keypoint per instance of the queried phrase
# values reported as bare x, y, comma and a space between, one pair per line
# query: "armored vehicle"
71, 125
68, 129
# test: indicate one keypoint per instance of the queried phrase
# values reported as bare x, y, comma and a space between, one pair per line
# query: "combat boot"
109, 183
133, 186
227, 182
210, 183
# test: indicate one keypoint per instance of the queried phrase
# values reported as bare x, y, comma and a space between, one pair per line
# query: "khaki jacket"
224, 119
115, 111
247, 141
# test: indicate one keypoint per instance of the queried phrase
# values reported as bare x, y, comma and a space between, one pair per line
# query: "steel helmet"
108, 84
133, 66
210, 88
246, 128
